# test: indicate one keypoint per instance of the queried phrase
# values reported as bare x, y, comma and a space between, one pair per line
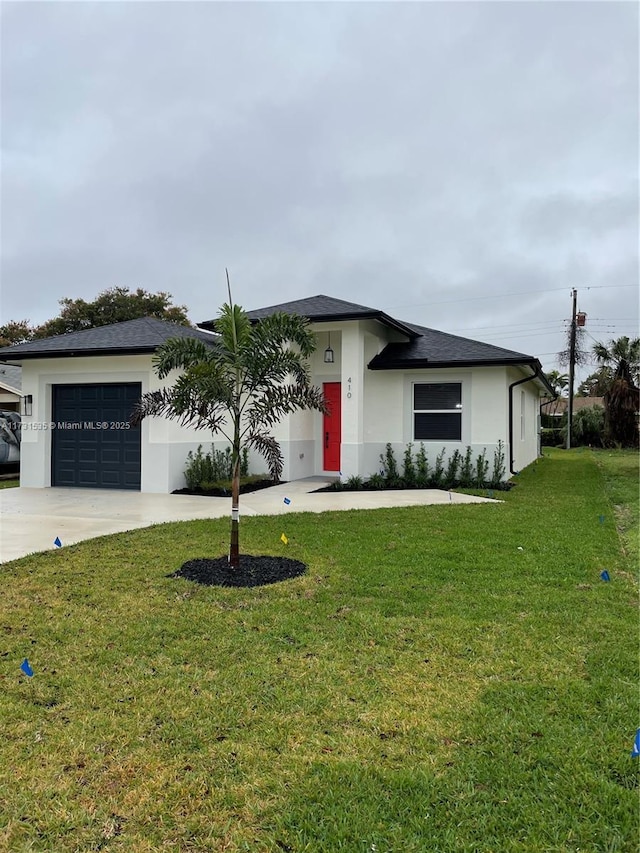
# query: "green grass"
9, 484
620, 471
444, 678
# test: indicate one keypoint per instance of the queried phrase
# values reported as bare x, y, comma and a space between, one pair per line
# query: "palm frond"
279, 400
180, 403
234, 328
269, 449
280, 329
180, 354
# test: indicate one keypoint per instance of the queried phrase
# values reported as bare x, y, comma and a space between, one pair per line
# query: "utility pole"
572, 365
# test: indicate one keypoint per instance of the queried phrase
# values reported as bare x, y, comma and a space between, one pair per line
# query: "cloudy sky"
458, 165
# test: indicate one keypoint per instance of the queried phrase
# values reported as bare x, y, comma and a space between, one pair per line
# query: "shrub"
451, 477
422, 466
438, 471
499, 467
203, 469
466, 469
588, 427
199, 468
482, 468
551, 437
354, 482
376, 481
408, 467
389, 467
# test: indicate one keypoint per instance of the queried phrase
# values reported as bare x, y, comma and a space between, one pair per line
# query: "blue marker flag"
605, 575
57, 542
601, 518
287, 501
26, 668
635, 752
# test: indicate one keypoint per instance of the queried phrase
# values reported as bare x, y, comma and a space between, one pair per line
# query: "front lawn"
443, 678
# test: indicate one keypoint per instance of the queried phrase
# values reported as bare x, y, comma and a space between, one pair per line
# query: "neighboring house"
558, 407
10, 396
386, 380
10, 387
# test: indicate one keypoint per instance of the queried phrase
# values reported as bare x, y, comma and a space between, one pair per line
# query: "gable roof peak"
325, 309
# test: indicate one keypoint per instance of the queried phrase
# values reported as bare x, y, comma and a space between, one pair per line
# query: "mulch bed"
245, 489
253, 571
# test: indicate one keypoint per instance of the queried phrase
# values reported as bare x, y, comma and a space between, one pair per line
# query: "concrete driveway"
31, 519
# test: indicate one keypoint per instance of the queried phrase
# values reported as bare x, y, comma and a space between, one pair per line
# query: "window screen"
437, 397
437, 411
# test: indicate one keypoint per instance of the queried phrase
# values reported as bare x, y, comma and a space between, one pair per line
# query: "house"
386, 381
10, 387
10, 396
558, 407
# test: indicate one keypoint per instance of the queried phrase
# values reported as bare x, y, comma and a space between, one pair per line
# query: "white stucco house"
386, 380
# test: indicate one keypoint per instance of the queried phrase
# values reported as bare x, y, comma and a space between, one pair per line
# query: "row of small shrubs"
208, 470
460, 470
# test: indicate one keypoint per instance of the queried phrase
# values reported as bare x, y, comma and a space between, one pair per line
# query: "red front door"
331, 427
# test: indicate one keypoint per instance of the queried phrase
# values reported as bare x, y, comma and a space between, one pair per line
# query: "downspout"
536, 372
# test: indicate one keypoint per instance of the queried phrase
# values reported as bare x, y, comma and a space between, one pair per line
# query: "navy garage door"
92, 445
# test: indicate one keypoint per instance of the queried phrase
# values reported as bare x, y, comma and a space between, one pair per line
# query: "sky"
462, 166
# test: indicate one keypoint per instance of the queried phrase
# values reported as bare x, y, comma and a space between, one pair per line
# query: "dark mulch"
253, 571
245, 489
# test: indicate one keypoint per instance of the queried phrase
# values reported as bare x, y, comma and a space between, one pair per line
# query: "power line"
502, 295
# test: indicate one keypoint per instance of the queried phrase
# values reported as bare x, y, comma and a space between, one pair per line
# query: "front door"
331, 427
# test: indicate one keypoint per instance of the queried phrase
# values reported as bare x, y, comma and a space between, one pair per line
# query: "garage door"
92, 444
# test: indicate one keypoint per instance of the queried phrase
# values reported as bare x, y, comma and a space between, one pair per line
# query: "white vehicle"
9, 438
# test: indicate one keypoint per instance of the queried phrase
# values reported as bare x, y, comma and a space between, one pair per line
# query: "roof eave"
27, 356
405, 364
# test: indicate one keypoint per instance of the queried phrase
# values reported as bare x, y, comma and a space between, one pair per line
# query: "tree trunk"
234, 547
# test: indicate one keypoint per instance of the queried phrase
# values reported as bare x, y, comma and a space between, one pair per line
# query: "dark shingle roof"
432, 348
130, 337
11, 376
323, 309
424, 347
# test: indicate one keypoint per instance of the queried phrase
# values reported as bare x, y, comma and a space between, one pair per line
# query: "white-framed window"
437, 411
523, 413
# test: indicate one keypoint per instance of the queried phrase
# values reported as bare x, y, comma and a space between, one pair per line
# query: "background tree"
15, 332
239, 387
622, 397
110, 306
588, 427
559, 382
597, 383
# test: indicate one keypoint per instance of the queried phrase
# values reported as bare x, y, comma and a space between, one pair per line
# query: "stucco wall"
164, 443
376, 409
526, 409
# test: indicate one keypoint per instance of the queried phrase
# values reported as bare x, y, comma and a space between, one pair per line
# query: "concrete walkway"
31, 519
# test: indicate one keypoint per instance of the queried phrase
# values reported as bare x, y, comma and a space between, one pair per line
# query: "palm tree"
622, 397
239, 387
559, 382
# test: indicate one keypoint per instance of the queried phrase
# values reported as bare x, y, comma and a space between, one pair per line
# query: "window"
437, 411
523, 416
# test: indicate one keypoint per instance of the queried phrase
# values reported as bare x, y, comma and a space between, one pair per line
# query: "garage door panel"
89, 456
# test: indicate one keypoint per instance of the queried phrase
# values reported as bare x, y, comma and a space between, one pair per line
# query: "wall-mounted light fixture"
328, 353
27, 405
